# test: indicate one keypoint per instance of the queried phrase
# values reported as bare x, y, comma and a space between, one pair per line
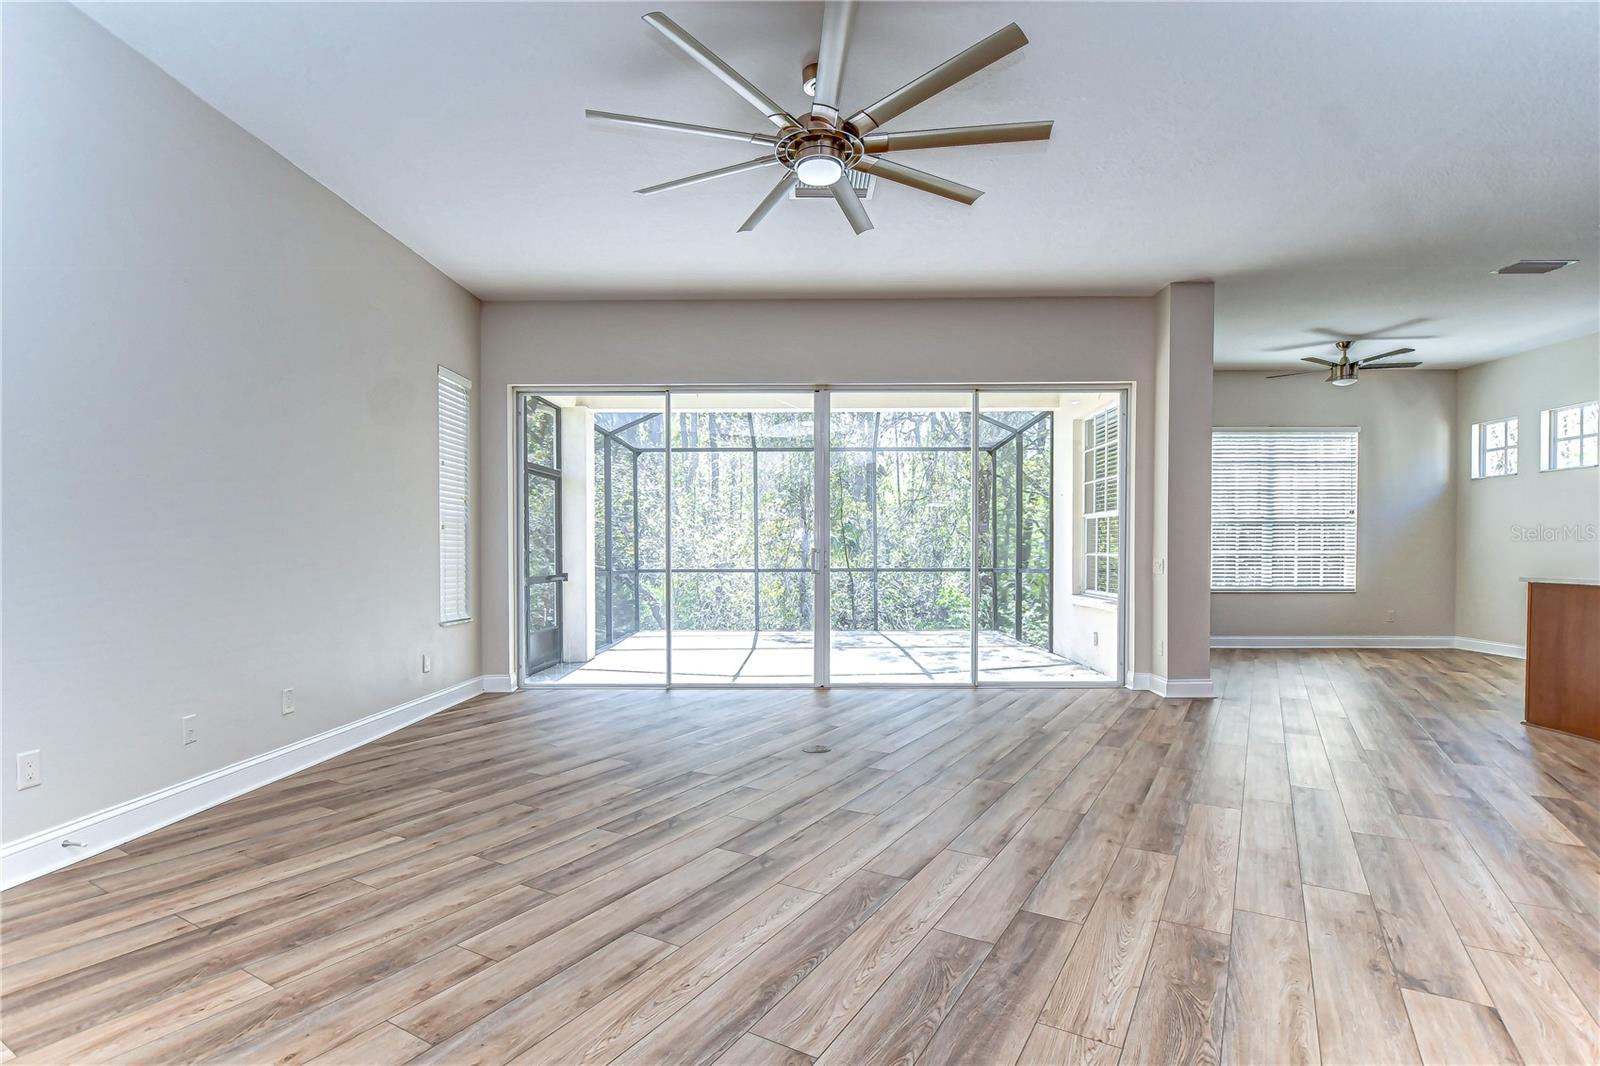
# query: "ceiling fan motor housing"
818, 149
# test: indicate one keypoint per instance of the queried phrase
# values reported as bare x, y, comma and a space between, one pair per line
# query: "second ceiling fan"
1347, 370
822, 147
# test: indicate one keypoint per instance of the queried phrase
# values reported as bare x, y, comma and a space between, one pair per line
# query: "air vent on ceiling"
1535, 266
860, 182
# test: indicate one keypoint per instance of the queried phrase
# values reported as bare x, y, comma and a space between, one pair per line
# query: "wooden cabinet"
1563, 671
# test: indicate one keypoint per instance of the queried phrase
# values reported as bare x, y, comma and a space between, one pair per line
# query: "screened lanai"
733, 504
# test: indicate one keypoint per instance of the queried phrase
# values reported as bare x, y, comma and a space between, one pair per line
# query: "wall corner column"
1181, 582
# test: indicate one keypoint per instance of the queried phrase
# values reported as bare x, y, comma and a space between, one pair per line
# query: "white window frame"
1481, 451
455, 511
1550, 438
1354, 434
1105, 484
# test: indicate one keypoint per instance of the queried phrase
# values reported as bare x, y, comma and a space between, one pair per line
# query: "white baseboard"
39, 854
1333, 642
1487, 647
499, 683
1175, 688
1491, 647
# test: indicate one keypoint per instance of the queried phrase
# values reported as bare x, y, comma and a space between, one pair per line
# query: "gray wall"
220, 451
799, 342
1494, 546
1405, 540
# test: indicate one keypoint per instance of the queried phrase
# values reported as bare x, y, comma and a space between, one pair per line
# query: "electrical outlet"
1161, 566
1389, 615
1161, 647
427, 663
1097, 638
28, 769
190, 723
288, 701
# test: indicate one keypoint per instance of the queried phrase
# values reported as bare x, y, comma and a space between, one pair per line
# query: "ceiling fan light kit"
820, 149
1347, 371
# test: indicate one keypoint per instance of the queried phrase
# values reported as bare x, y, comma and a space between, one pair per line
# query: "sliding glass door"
900, 574
743, 533
964, 537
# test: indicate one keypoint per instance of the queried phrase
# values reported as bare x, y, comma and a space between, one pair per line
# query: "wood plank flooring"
1347, 857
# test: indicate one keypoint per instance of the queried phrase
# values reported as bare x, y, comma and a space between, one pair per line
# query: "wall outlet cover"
427, 663
28, 769
190, 723
288, 701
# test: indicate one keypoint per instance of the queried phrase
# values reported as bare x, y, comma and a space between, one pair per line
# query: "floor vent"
816, 749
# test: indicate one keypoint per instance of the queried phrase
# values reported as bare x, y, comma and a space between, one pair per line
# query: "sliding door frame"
821, 563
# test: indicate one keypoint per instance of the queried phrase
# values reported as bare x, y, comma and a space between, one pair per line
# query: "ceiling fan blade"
724, 73
957, 136
1385, 355
720, 172
917, 179
681, 127
851, 205
1389, 366
1384, 333
1313, 359
768, 202
997, 45
836, 18
1292, 374
1297, 347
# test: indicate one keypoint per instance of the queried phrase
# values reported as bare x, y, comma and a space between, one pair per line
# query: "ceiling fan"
1345, 371
822, 147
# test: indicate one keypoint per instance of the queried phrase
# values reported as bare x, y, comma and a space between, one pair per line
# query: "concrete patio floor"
885, 657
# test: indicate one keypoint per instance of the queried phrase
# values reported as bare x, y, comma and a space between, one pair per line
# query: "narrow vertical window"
1101, 434
455, 452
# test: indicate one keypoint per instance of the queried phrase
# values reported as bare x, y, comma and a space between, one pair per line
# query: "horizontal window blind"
1283, 510
455, 426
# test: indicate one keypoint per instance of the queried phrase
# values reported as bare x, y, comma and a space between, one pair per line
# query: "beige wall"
1184, 372
1445, 553
220, 447
1405, 543
1537, 523
1090, 340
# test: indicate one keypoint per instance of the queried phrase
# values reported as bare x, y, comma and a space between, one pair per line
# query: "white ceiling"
1348, 167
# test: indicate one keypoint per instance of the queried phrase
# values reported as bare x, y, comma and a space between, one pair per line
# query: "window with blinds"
455, 436
1101, 537
1283, 510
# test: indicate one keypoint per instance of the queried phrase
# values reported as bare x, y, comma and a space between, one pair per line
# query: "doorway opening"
968, 536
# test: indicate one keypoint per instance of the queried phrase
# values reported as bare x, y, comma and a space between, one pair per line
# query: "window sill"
456, 622
1283, 592
1107, 604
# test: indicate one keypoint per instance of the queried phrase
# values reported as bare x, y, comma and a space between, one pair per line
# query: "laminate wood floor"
1348, 857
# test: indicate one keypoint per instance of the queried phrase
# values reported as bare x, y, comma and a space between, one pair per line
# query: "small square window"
1494, 448
1569, 437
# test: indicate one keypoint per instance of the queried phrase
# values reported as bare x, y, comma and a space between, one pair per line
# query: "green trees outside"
743, 522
